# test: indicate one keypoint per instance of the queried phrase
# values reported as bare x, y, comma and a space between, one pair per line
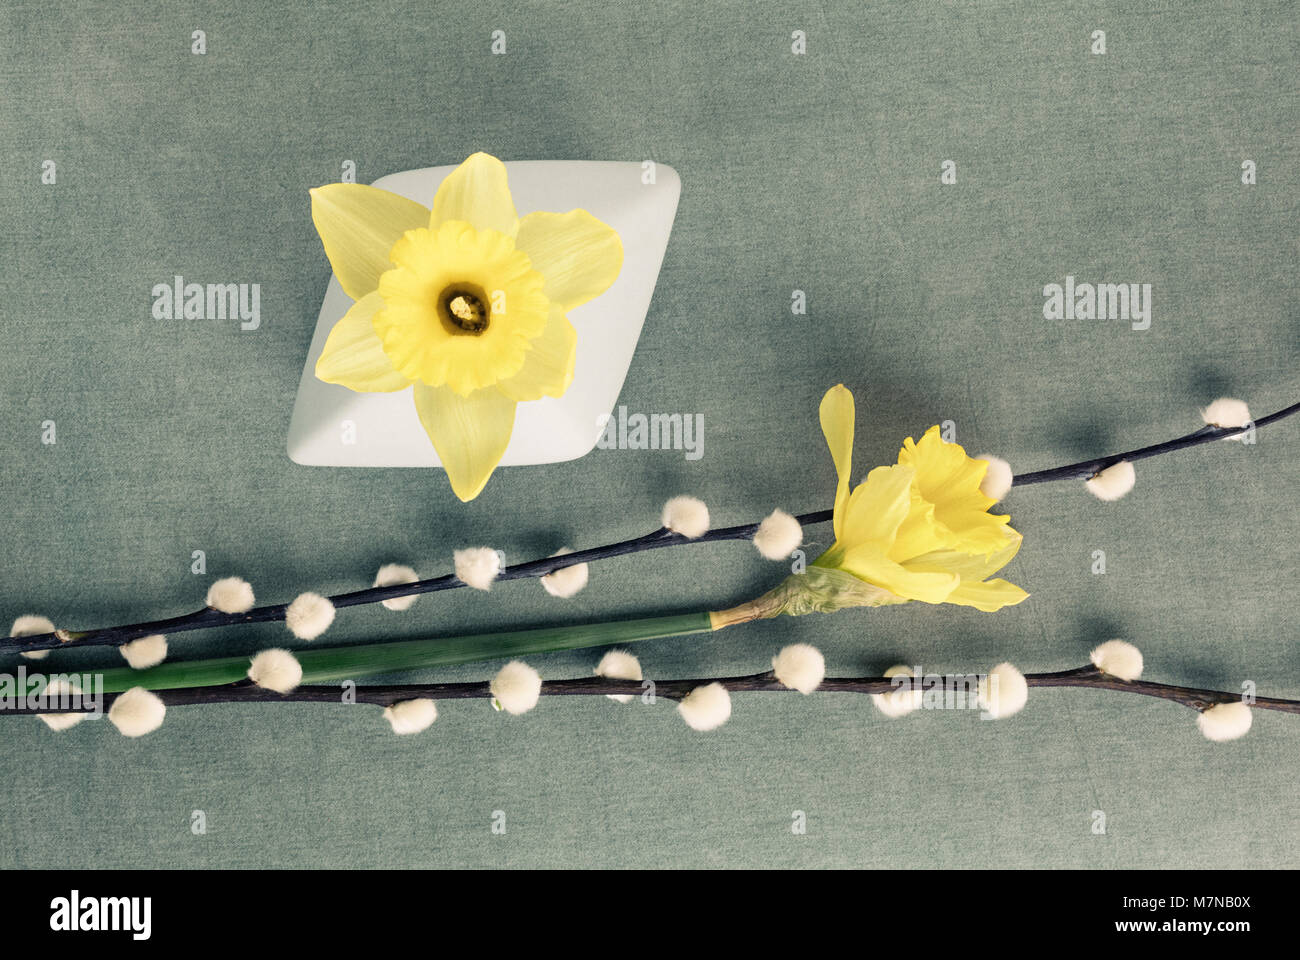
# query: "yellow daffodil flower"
919, 529
466, 304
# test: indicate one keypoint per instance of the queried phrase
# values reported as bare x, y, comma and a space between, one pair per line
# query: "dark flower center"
464, 309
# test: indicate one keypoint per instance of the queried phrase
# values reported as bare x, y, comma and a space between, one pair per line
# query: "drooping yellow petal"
548, 365
353, 355
358, 225
470, 433
988, 596
837, 418
579, 255
969, 566
477, 192
877, 508
869, 564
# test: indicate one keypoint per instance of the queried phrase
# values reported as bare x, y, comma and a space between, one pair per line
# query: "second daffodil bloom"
919, 529
466, 304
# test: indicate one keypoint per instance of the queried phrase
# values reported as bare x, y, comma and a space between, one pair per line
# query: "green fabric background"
819, 173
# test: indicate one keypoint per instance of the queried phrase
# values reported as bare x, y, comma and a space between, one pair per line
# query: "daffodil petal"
414, 328
837, 417
988, 596
969, 566
920, 532
950, 480
878, 507
577, 254
945, 475
358, 225
470, 433
477, 192
353, 355
548, 365
867, 563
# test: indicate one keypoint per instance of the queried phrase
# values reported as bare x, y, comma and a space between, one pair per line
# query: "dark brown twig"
1088, 677
1087, 468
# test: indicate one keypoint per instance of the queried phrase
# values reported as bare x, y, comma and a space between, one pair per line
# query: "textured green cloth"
819, 173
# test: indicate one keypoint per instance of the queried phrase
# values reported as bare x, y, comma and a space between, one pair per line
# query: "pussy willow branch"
208, 618
1086, 468
1088, 677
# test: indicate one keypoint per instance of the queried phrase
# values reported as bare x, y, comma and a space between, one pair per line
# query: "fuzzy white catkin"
567, 581
309, 616
800, 666
392, 574
687, 516
275, 669
997, 478
778, 536
61, 721
137, 712
706, 707
902, 700
1119, 658
1227, 412
1225, 721
1113, 482
619, 665
411, 716
146, 652
231, 595
517, 687
477, 567
1003, 691
30, 625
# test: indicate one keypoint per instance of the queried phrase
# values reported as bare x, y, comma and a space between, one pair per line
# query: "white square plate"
334, 427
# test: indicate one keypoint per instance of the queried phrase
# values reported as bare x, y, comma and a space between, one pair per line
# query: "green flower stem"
333, 664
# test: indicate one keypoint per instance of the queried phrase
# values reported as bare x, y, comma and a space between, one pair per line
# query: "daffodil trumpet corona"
466, 304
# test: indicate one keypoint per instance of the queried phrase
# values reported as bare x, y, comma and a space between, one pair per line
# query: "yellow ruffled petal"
579, 255
919, 532
358, 225
470, 433
988, 596
477, 192
944, 474
867, 563
548, 365
877, 508
415, 325
837, 418
353, 355
950, 480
